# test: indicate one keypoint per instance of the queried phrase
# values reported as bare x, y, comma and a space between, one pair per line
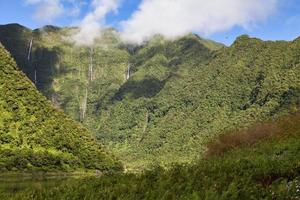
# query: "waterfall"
55, 100
91, 65
30, 49
84, 106
128, 72
35, 76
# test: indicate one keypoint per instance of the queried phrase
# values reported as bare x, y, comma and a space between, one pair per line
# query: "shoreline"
47, 175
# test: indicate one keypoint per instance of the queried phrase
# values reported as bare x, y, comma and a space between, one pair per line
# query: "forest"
187, 118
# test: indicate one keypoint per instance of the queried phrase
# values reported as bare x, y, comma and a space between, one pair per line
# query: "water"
30, 49
128, 72
11, 185
84, 106
91, 65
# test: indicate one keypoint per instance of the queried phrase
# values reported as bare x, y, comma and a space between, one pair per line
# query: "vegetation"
222, 110
269, 169
35, 136
194, 94
180, 94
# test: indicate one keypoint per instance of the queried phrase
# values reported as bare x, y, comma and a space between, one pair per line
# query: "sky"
139, 20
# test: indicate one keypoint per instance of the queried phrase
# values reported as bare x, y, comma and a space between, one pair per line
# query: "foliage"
194, 94
36, 136
180, 93
281, 128
181, 102
267, 170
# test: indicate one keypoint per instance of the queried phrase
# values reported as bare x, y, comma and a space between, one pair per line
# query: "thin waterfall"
30, 49
90, 79
84, 106
128, 72
91, 65
35, 76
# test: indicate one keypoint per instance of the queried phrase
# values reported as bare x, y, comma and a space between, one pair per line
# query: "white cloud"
173, 18
47, 10
90, 27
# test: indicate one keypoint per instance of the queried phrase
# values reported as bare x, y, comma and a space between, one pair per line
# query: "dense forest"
35, 136
163, 101
187, 118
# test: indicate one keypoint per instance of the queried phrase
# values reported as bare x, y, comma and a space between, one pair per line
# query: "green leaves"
192, 89
35, 136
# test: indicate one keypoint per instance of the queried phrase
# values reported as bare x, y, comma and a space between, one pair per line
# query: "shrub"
247, 137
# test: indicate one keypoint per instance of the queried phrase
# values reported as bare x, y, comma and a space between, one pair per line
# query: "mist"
92, 24
169, 18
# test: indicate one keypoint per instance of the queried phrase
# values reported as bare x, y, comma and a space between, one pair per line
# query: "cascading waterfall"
128, 72
91, 65
55, 100
30, 49
84, 105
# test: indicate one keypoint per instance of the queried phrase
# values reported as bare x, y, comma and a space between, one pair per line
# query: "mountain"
194, 94
163, 101
35, 136
232, 113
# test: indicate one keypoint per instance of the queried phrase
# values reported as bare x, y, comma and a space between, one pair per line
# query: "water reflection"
13, 184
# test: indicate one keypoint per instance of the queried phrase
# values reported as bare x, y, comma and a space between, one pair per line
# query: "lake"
12, 184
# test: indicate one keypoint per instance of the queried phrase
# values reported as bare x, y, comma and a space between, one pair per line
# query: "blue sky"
282, 24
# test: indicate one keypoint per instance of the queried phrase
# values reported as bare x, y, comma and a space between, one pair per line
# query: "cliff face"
36, 136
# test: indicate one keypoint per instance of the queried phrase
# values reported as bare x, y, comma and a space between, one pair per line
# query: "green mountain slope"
161, 102
203, 96
36, 136
73, 78
61, 71
146, 115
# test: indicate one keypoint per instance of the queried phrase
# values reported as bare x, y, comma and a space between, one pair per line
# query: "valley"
187, 118
163, 101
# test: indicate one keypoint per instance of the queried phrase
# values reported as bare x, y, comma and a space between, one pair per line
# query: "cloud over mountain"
170, 18
90, 26
173, 18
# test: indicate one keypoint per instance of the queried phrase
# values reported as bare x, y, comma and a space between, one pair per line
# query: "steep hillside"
85, 80
36, 136
206, 93
161, 102
73, 78
146, 117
